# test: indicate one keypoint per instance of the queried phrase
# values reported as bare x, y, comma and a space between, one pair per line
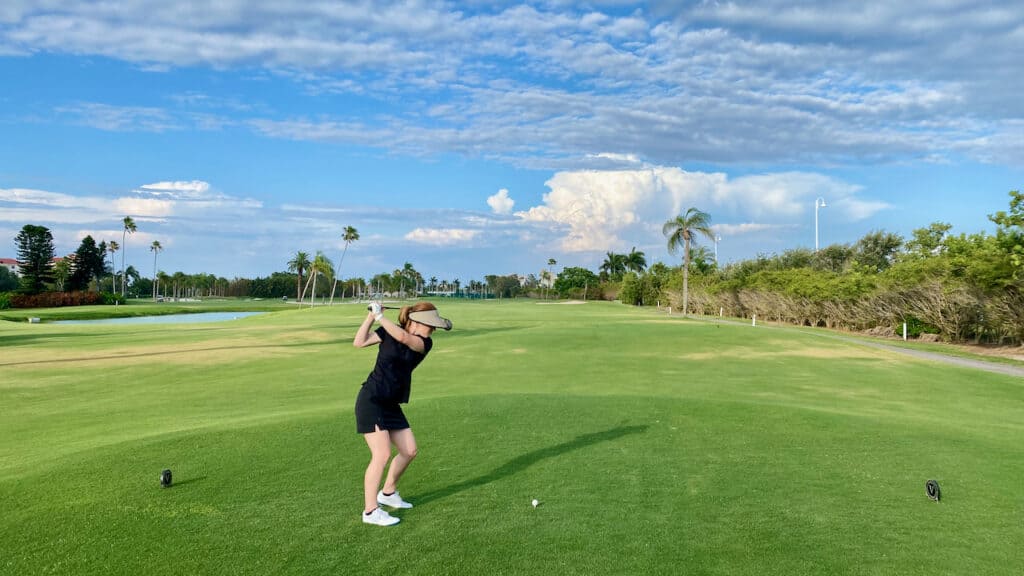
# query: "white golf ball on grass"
535, 503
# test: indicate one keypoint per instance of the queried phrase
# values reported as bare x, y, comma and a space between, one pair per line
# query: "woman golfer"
379, 417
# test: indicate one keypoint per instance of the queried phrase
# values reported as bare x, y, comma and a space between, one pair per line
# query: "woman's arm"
398, 333
364, 337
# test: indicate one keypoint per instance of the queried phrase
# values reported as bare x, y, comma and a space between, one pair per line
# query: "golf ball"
534, 502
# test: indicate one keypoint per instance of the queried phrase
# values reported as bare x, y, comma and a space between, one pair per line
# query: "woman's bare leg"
406, 444
380, 451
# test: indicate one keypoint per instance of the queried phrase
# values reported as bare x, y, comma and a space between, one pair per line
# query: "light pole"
717, 240
819, 202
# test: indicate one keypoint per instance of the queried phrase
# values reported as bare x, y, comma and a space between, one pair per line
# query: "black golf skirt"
370, 415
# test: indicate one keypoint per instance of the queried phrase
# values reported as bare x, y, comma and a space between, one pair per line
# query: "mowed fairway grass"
655, 445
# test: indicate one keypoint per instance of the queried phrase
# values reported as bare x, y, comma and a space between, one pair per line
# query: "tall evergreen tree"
35, 258
89, 263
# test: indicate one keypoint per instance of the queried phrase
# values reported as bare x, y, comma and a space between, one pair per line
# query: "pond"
166, 318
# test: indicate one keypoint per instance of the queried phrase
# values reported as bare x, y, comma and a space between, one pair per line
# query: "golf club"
387, 307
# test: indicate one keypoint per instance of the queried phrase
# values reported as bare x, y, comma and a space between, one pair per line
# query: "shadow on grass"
520, 463
21, 339
197, 347
178, 483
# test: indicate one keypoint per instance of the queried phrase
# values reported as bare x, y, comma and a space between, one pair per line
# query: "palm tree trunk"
686, 277
123, 254
306, 287
337, 273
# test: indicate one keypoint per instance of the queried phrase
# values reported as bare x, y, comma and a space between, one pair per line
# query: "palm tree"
179, 280
113, 247
299, 263
321, 265
155, 248
680, 231
614, 265
636, 261
409, 273
132, 274
129, 228
546, 274
162, 278
350, 236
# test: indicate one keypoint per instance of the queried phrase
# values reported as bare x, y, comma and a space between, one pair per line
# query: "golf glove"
376, 310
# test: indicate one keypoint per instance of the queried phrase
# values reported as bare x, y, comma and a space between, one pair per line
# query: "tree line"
88, 277
953, 287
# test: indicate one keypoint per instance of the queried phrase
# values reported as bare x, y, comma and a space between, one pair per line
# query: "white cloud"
28, 205
441, 236
161, 210
609, 210
140, 208
747, 228
193, 188
768, 81
860, 209
165, 198
120, 118
500, 203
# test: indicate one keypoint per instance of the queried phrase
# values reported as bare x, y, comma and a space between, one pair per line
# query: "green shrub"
916, 327
111, 298
5, 300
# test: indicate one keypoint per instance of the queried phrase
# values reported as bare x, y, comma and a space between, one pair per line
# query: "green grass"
656, 445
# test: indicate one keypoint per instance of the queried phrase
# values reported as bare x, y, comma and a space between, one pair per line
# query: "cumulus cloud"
500, 203
603, 210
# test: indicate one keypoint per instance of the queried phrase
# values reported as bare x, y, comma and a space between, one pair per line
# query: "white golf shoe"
380, 518
394, 500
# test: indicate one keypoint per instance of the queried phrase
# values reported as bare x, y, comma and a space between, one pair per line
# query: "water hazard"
167, 318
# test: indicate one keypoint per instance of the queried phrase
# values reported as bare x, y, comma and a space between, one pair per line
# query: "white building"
11, 264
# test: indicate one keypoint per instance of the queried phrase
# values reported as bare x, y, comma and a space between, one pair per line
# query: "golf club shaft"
387, 308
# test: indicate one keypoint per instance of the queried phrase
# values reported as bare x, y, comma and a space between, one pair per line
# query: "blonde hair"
403, 314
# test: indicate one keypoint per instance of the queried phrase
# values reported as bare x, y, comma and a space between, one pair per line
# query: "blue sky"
484, 138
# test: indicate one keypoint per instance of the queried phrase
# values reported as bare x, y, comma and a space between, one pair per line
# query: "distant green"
655, 445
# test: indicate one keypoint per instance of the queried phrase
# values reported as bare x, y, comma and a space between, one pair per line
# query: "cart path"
997, 367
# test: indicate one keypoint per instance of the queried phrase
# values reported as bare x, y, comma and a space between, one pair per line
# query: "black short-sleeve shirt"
391, 378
